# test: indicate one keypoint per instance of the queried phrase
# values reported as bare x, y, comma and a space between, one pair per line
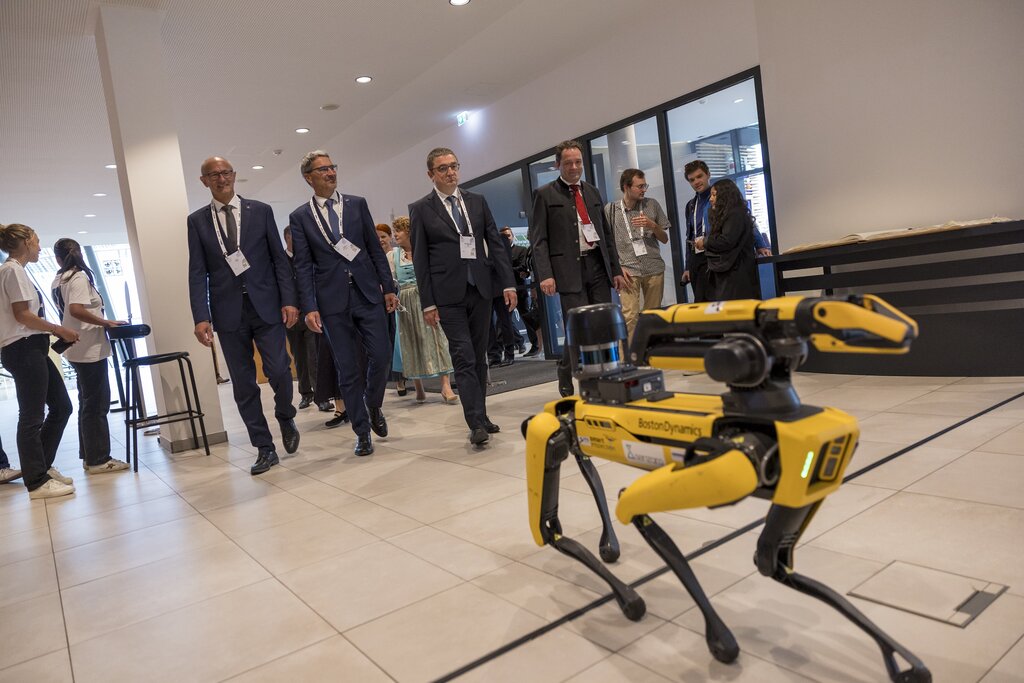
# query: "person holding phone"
43, 403
81, 309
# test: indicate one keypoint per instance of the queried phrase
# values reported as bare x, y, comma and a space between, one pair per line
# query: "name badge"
590, 233
467, 246
347, 249
639, 247
237, 262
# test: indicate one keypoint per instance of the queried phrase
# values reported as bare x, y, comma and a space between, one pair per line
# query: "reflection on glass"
722, 130
634, 146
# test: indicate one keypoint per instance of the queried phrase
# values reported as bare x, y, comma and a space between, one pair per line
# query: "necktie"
232, 245
581, 209
332, 218
460, 223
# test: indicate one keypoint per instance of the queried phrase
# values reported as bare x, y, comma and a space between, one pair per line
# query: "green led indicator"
807, 464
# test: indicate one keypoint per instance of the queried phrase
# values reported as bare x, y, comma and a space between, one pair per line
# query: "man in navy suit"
239, 279
459, 259
346, 290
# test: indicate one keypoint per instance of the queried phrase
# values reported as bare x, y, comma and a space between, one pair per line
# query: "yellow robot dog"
704, 450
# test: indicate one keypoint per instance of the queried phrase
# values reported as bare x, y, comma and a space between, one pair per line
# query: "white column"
149, 172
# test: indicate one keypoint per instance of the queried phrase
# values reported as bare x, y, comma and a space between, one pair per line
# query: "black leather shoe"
490, 427
377, 422
478, 436
325, 406
337, 420
364, 445
509, 360
289, 435
534, 351
266, 459
306, 402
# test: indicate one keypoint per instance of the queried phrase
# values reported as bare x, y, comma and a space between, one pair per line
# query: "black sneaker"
339, 418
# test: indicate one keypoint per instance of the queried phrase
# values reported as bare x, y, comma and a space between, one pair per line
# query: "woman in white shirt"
24, 348
81, 308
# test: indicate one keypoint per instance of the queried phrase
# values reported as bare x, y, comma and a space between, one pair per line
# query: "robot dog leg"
782, 530
714, 472
547, 445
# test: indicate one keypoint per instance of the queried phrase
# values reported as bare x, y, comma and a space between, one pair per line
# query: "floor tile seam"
419, 481
273, 525
40, 656
460, 512
30, 557
996, 506
710, 594
459, 538
806, 538
112, 509
141, 565
417, 601
280, 657
144, 565
60, 599
122, 533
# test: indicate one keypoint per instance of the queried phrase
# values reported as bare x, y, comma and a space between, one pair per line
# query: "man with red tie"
573, 246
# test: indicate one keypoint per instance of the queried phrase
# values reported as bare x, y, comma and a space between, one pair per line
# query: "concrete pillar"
622, 155
149, 172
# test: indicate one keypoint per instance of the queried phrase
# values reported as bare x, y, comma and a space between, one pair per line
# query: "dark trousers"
93, 406
503, 336
40, 390
303, 343
523, 306
4, 462
237, 348
700, 280
466, 326
363, 326
596, 290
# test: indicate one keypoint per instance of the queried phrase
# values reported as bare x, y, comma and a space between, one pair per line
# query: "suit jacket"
554, 235
215, 292
322, 274
442, 275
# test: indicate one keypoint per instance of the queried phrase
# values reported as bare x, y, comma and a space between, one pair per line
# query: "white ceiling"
245, 73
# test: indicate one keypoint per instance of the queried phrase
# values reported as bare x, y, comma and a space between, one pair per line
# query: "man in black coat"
573, 247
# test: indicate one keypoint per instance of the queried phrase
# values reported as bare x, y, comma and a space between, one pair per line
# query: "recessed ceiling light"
329, 107
90, 215
99, 194
462, 118
83, 232
111, 166
364, 79
257, 167
458, 3
737, 101
302, 131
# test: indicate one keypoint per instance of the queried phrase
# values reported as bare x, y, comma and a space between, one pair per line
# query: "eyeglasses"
324, 169
219, 175
444, 168
644, 186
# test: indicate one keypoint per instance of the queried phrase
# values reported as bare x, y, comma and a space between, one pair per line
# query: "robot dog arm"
680, 336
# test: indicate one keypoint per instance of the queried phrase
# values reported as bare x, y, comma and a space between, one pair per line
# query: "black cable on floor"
708, 547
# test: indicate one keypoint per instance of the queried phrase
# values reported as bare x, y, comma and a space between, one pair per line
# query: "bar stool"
135, 413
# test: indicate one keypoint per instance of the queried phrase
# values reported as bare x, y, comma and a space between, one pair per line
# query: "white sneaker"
112, 465
52, 489
56, 474
9, 474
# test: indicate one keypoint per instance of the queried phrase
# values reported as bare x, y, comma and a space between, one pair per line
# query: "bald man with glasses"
240, 284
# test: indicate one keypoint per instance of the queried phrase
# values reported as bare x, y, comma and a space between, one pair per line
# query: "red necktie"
581, 209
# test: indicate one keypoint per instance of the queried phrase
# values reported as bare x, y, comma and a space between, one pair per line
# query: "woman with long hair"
81, 309
43, 403
424, 348
732, 265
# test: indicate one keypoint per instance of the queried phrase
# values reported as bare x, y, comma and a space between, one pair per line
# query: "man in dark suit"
239, 279
346, 290
303, 344
460, 261
573, 246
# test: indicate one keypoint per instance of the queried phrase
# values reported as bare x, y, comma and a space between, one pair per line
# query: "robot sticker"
643, 455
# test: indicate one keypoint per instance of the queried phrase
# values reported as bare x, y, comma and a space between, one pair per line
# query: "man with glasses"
639, 225
460, 261
239, 280
574, 251
346, 290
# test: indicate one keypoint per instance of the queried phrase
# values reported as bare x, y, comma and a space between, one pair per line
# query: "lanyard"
696, 206
625, 217
220, 230
319, 218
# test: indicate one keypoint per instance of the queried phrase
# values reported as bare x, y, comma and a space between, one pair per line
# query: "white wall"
666, 51
879, 114
886, 114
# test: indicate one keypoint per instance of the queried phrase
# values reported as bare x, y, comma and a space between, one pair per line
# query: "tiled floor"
410, 564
